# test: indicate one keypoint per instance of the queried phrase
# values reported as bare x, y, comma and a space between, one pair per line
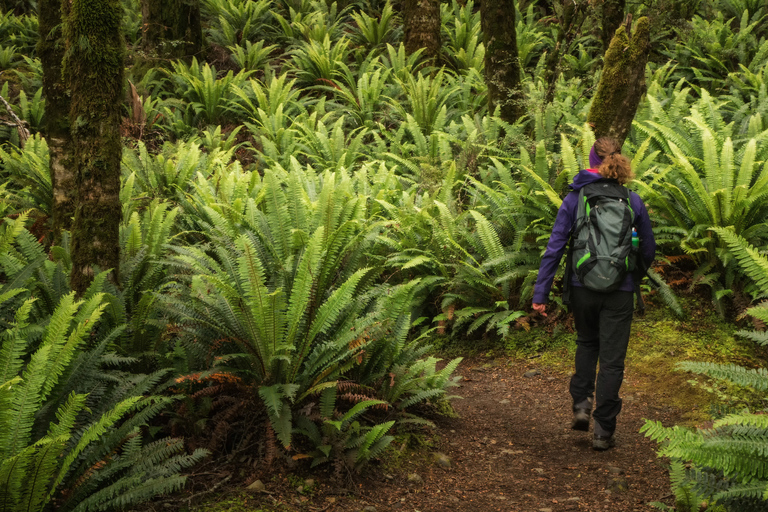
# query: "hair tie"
616, 153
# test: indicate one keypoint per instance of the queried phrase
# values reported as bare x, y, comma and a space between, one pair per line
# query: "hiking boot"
602, 443
581, 414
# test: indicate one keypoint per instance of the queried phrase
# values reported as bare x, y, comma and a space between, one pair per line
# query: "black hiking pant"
603, 322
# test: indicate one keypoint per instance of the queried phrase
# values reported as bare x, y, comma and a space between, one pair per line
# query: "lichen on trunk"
502, 62
50, 49
421, 27
94, 70
622, 83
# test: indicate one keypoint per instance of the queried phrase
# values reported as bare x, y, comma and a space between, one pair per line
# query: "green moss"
51, 48
658, 342
502, 64
421, 27
611, 17
94, 71
622, 83
242, 502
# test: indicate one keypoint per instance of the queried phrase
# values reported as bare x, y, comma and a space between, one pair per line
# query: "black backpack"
601, 251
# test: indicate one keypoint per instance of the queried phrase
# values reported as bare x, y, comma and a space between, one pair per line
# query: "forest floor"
510, 447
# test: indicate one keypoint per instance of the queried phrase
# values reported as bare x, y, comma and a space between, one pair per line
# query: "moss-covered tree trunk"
502, 63
612, 16
171, 28
94, 71
622, 83
421, 27
50, 49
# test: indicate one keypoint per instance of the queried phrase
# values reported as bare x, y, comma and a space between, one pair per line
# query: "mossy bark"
502, 62
421, 27
612, 16
50, 49
171, 28
94, 72
622, 83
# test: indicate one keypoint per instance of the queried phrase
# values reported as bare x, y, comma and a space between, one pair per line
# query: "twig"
316, 509
23, 132
208, 491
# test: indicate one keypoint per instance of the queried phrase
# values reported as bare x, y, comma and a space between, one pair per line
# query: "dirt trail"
510, 450
513, 450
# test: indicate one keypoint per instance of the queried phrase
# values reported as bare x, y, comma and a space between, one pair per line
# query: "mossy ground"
237, 503
659, 341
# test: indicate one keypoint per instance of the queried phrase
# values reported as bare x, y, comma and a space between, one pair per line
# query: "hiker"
598, 290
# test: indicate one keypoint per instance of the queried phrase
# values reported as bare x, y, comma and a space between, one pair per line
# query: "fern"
373, 31
66, 405
737, 445
752, 263
290, 281
43, 463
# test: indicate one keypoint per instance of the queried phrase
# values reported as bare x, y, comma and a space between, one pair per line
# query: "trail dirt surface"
510, 450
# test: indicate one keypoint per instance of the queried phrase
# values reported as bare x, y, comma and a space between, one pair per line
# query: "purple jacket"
566, 217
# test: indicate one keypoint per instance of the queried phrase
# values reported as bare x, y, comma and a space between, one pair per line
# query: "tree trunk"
94, 71
622, 83
50, 49
572, 16
544, 6
421, 27
613, 15
502, 65
17, 7
172, 28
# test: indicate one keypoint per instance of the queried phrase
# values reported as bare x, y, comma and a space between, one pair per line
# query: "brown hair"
615, 165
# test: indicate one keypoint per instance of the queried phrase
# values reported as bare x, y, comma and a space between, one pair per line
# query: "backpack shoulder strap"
629, 204
580, 208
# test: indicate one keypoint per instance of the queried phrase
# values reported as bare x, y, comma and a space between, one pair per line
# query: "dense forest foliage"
306, 192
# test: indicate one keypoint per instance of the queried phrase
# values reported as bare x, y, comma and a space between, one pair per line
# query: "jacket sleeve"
644, 230
558, 240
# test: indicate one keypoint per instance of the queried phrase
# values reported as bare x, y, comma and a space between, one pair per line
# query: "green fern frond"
750, 260
759, 337
14, 343
667, 295
757, 378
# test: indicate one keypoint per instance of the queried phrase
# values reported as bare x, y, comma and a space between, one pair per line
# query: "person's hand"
540, 308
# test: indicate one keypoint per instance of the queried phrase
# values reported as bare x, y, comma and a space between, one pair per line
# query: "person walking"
599, 288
